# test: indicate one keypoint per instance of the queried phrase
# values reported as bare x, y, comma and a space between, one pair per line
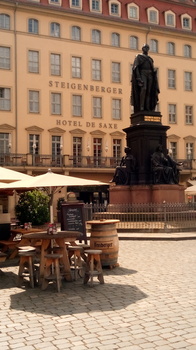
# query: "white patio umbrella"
8, 175
191, 190
51, 182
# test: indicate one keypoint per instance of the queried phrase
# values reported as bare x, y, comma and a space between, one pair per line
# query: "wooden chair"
26, 265
75, 258
93, 266
52, 261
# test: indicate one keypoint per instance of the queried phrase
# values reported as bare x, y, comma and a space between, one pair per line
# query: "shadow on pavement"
118, 271
8, 279
76, 298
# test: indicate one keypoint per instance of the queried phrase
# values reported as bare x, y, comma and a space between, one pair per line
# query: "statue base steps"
146, 194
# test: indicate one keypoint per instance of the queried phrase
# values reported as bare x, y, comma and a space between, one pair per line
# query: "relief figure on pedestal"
165, 169
125, 172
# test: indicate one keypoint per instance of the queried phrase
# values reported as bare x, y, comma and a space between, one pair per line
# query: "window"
77, 151
171, 49
4, 57
55, 2
187, 51
33, 61
33, 101
117, 146
33, 26
170, 19
55, 29
189, 150
134, 42
33, 144
77, 105
133, 11
186, 22
76, 33
76, 3
116, 109
56, 150
188, 81
171, 79
97, 151
115, 39
5, 103
153, 45
96, 36
115, 72
173, 150
97, 107
96, 70
55, 103
4, 143
96, 5
55, 64
172, 113
114, 9
76, 67
189, 115
153, 15
4, 21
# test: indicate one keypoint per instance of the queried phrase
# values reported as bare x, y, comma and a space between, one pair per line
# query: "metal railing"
164, 217
49, 160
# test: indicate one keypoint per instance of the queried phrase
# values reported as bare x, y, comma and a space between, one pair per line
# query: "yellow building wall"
20, 81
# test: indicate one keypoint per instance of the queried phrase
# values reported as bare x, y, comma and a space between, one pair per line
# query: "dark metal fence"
163, 217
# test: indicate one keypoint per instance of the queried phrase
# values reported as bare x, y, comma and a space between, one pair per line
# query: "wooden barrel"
104, 236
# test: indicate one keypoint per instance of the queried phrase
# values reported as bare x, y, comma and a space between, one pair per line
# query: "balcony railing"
59, 161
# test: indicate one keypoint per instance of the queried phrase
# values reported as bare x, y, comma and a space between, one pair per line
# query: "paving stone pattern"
149, 302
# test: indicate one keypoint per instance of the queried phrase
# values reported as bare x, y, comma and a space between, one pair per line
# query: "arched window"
153, 45
55, 29
96, 36
33, 26
187, 51
76, 33
4, 21
134, 42
115, 39
171, 49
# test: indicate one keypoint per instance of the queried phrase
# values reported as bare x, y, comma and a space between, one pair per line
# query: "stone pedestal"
146, 194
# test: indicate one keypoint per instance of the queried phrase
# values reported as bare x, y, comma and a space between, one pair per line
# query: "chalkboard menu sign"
72, 218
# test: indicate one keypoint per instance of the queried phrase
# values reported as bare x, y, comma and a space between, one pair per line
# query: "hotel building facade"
65, 68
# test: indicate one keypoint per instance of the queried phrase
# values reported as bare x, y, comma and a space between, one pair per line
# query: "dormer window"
96, 5
76, 4
55, 2
153, 15
114, 8
186, 22
170, 19
133, 11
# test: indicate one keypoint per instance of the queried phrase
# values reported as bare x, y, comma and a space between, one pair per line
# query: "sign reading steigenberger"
84, 87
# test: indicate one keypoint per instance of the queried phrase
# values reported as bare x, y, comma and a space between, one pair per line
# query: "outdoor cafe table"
60, 238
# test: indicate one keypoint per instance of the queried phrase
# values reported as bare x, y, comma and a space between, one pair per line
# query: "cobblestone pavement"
149, 302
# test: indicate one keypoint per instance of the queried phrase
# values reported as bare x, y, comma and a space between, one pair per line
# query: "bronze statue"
145, 87
176, 167
124, 173
164, 168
